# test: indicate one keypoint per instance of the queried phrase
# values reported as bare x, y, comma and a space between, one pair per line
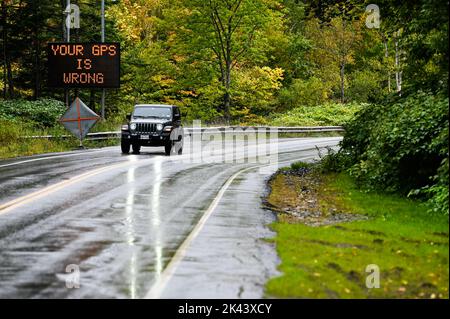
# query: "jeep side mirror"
129, 116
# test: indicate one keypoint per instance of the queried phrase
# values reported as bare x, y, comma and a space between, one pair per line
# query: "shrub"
325, 114
254, 90
365, 86
43, 112
304, 93
399, 146
439, 192
332, 161
299, 165
9, 131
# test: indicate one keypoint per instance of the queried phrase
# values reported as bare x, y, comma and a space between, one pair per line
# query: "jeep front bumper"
146, 139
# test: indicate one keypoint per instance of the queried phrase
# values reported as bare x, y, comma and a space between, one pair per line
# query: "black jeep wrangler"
153, 125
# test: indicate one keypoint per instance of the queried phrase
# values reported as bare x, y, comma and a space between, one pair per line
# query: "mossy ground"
409, 245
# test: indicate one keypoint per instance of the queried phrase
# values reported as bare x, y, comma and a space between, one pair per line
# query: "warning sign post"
79, 119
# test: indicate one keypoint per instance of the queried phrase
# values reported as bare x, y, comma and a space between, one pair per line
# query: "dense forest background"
237, 59
261, 62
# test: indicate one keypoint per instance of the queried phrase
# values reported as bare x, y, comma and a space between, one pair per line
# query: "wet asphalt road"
122, 218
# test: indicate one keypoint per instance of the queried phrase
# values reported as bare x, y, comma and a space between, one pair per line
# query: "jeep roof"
154, 105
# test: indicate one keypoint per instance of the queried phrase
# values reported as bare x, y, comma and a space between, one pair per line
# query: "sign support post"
79, 119
82, 65
67, 28
103, 40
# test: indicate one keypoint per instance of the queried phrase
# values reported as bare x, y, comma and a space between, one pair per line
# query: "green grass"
409, 245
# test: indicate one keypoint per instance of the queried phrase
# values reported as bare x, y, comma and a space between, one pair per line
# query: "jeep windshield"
152, 112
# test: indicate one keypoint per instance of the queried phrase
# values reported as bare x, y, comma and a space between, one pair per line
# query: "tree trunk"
11, 92
4, 48
37, 68
227, 97
8, 89
386, 54
398, 73
91, 103
227, 103
37, 54
342, 75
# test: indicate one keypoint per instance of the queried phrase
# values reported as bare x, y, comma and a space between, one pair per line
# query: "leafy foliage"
398, 146
424, 41
254, 90
304, 92
324, 114
44, 112
438, 193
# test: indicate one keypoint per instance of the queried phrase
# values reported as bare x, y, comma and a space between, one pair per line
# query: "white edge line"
52, 157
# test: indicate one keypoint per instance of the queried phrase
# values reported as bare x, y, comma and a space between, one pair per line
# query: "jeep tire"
125, 146
136, 148
168, 148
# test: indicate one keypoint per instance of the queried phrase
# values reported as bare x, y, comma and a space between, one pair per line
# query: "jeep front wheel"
168, 148
125, 146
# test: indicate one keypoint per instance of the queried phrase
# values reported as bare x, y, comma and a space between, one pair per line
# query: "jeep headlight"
159, 127
132, 126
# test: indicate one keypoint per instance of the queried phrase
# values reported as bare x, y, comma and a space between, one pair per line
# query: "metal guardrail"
280, 129
229, 129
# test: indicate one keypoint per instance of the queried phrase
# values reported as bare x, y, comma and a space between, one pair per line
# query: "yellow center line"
4, 208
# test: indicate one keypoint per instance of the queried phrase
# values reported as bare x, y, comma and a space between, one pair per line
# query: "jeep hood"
151, 121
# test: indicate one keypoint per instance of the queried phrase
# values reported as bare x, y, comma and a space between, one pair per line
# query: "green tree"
229, 32
335, 45
423, 40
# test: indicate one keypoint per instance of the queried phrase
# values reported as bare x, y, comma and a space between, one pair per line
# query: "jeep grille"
145, 127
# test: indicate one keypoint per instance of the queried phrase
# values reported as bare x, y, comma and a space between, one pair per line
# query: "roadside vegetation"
13, 141
329, 114
21, 119
400, 147
325, 256
250, 62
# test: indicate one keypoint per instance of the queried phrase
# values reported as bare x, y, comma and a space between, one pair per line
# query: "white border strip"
52, 157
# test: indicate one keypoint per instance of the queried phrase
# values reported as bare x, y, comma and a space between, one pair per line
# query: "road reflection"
130, 230
156, 217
